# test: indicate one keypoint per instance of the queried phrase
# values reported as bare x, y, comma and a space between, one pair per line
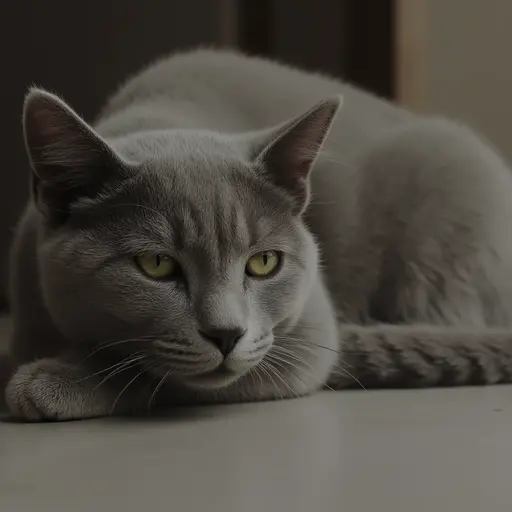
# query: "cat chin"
217, 379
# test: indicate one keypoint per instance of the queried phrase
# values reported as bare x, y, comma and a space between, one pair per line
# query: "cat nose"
224, 339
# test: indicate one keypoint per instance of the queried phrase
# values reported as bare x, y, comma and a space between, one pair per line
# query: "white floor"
443, 450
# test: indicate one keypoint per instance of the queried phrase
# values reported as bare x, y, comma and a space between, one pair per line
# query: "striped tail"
413, 356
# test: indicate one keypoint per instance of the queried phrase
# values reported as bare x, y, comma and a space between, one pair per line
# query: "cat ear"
288, 153
69, 159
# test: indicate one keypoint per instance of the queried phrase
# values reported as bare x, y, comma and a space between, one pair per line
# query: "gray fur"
202, 156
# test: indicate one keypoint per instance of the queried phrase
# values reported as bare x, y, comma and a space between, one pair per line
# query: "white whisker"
112, 409
131, 363
157, 388
346, 372
271, 360
256, 373
130, 358
311, 345
303, 370
107, 344
263, 366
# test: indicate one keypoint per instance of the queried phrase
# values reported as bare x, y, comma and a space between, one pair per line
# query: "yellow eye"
263, 264
157, 266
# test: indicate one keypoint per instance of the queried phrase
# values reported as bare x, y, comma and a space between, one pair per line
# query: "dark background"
84, 50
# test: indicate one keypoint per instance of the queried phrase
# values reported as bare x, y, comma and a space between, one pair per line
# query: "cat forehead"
200, 168
198, 184
210, 197
196, 203
215, 217
165, 148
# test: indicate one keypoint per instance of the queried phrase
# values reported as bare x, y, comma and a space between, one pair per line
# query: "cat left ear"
69, 159
288, 153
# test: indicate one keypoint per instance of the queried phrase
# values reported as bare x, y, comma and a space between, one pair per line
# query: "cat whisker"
311, 328
291, 353
264, 367
310, 343
282, 365
325, 157
142, 371
303, 344
288, 353
112, 343
337, 365
157, 388
312, 350
252, 375
254, 372
114, 340
303, 370
137, 356
271, 363
131, 363
343, 353
353, 377
298, 344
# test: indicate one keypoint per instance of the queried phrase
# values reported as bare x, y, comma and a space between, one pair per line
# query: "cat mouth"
230, 370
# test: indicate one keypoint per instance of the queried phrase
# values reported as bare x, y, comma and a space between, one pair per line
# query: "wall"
459, 63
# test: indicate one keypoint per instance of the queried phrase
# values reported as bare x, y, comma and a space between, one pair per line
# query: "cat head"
184, 250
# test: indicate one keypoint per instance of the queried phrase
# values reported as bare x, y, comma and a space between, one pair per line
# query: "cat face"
184, 251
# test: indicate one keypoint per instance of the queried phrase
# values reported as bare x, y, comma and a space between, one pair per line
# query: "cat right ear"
285, 155
69, 159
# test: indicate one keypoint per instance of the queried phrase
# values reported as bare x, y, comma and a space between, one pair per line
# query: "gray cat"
182, 251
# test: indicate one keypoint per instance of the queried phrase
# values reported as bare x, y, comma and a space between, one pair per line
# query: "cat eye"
263, 264
158, 266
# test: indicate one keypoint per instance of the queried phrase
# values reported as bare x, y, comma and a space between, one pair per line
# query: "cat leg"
69, 388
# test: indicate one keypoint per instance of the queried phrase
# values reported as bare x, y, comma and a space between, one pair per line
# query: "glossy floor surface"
444, 450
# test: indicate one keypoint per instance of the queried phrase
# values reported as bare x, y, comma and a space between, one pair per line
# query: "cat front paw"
50, 390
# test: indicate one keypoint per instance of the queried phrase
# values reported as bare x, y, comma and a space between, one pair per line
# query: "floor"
443, 450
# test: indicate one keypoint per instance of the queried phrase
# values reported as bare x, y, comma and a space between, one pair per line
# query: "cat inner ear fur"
69, 160
286, 154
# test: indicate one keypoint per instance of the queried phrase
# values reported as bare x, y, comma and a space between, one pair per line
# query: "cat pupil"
265, 259
158, 260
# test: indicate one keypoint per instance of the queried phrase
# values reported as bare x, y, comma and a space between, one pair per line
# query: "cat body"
386, 236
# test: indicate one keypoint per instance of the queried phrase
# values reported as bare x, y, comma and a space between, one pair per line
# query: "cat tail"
401, 356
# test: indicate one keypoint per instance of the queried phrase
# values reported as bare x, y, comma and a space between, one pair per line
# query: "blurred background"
434, 56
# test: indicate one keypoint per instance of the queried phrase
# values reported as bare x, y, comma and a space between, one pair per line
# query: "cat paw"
47, 390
